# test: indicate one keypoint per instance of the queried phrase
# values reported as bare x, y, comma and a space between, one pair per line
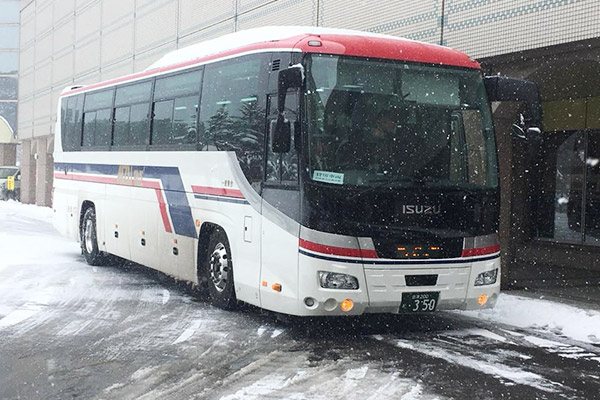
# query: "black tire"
89, 239
219, 271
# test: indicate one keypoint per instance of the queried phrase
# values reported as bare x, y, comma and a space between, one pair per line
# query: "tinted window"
139, 93
9, 37
96, 128
8, 88
97, 100
71, 122
176, 109
9, 62
233, 111
9, 12
282, 168
178, 85
132, 104
131, 125
175, 121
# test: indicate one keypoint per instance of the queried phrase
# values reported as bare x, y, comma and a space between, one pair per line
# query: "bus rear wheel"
89, 238
219, 271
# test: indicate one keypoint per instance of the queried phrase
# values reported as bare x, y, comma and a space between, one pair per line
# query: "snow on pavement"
217, 354
545, 315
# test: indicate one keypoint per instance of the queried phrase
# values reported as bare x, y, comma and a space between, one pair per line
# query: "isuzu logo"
421, 209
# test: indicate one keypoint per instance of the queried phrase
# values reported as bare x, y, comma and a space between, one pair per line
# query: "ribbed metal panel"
246, 5
87, 58
87, 23
156, 26
43, 19
63, 9
116, 70
285, 12
115, 10
41, 105
410, 19
64, 35
196, 15
43, 49
43, 76
205, 34
143, 60
26, 59
118, 44
483, 28
62, 69
27, 31
25, 118
26, 85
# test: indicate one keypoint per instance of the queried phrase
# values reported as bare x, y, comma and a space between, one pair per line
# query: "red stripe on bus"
350, 45
163, 210
337, 251
112, 180
215, 191
480, 251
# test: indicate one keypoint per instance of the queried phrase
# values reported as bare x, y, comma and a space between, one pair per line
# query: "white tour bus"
303, 170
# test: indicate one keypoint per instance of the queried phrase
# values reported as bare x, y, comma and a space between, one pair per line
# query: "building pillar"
28, 172
8, 154
44, 168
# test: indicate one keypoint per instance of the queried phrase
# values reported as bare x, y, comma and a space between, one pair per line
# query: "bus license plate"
419, 302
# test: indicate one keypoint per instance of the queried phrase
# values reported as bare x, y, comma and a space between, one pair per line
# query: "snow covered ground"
70, 330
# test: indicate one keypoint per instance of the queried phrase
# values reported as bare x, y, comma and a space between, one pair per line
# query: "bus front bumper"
381, 287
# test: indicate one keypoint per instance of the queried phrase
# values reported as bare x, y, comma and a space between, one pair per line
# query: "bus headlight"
334, 280
487, 278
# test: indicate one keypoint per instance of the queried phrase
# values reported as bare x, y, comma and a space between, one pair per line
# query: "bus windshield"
387, 123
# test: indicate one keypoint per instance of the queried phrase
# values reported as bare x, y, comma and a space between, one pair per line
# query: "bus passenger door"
281, 212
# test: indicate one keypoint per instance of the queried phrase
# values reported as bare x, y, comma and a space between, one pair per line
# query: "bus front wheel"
219, 271
89, 238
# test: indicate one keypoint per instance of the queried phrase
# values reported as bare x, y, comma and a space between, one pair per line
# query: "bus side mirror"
501, 88
280, 129
281, 135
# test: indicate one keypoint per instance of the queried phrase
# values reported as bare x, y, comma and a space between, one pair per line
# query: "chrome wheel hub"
219, 267
88, 236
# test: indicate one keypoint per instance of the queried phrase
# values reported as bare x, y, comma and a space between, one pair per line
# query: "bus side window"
96, 117
175, 109
71, 126
233, 112
131, 122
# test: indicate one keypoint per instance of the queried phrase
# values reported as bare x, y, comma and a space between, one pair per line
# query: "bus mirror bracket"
280, 129
501, 88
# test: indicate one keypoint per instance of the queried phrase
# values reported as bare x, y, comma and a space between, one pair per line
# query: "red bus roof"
299, 39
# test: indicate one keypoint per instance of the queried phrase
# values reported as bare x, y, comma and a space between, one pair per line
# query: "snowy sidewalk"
573, 320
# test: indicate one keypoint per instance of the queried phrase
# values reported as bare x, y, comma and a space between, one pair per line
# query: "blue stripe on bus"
172, 186
398, 263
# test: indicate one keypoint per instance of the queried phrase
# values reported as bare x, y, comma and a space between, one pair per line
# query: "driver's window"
283, 167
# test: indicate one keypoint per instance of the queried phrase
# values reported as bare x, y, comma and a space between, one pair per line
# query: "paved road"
68, 330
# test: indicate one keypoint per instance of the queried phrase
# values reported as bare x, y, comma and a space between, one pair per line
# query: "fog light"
309, 301
487, 278
347, 305
481, 300
334, 280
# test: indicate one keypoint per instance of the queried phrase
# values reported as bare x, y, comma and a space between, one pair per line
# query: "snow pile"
244, 38
11, 208
562, 319
23, 226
